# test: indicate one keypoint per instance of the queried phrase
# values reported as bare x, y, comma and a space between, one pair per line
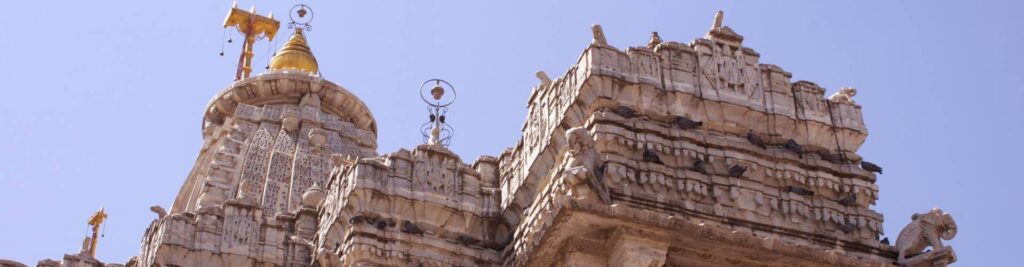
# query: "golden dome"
295, 55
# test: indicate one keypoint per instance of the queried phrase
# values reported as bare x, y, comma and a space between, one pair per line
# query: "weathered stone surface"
666, 154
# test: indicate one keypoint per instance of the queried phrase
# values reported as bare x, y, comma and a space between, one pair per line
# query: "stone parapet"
232, 234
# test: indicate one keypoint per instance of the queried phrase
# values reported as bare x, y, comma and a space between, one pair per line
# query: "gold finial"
95, 221
295, 55
253, 27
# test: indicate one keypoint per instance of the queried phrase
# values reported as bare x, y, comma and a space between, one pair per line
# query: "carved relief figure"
844, 94
582, 165
923, 231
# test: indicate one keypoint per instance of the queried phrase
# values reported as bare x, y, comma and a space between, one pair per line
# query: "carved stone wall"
769, 157
677, 155
412, 208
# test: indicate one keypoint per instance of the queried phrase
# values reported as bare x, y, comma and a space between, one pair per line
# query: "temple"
662, 154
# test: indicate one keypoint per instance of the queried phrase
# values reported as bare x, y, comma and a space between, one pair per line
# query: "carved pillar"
632, 250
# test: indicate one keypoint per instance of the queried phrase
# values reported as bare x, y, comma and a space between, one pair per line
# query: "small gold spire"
295, 55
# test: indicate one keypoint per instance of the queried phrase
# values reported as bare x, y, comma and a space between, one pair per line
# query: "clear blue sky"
103, 101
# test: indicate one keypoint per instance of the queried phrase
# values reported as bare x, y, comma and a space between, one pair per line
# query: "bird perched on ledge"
687, 124
792, 146
698, 166
625, 112
651, 156
755, 139
411, 228
871, 167
848, 200
737, 171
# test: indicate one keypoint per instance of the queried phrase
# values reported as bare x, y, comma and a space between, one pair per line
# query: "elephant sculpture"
923, 231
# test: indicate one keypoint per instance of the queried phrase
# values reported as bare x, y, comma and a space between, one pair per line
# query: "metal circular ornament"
427, 86
305, 14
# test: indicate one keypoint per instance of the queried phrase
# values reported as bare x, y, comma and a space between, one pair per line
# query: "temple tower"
269, 138
662, 154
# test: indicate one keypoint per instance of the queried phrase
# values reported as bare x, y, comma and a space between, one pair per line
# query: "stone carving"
84, 250
925, 230
655, 40
717, 24
317, 138
598, 35
544, 79
581, 171
291, 123
313, 196
160, 211
212, 197
310, 99
844, 95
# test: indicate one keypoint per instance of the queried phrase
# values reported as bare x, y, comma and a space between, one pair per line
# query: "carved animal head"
942, 221
576, 138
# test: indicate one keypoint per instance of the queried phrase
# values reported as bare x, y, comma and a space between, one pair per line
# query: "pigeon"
885, 240
698, 166
687, 124
792, 146
756, 140
625, 112
381, 224
651, 156
466, 240
871, 167
833, 158
848, 201
411, 228
800, 191
357, 219
847, 228
737, 171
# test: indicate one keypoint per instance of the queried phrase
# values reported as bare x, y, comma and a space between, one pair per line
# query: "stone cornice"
284, 87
